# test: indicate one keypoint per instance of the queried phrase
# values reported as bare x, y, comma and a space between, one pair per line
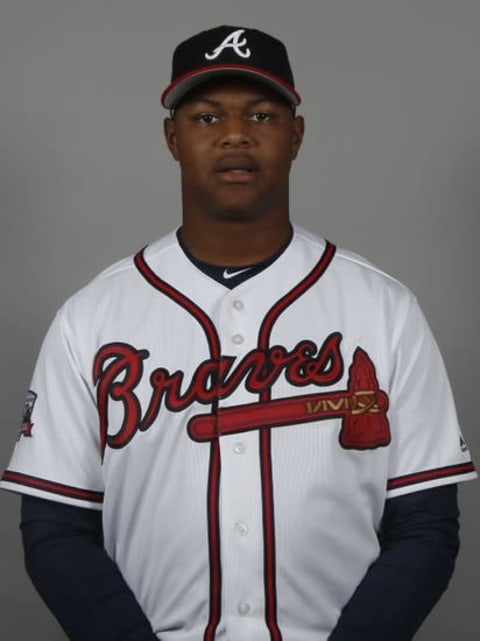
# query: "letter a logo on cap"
233, 41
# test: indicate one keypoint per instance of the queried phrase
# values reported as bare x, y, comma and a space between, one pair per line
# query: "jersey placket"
240, 502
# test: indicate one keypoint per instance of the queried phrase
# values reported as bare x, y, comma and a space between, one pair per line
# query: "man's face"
235, 141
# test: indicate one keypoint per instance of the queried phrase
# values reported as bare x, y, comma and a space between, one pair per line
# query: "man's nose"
235, 133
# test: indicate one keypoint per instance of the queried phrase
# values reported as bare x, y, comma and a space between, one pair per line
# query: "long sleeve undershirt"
420, 543
82, 586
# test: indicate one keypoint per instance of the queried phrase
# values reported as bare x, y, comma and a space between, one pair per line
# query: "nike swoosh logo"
227, 274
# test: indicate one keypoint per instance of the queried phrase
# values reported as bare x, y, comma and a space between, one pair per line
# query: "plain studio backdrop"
390, 168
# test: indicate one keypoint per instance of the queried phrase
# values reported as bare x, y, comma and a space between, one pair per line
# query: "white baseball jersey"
241, 443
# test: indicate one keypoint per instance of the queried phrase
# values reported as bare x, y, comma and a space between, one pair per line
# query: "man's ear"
170, 132
297, 135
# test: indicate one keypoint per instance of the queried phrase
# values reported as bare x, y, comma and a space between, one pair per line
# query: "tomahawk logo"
232, 41
362, 406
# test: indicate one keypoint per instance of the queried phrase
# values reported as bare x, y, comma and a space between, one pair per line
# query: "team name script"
119, 369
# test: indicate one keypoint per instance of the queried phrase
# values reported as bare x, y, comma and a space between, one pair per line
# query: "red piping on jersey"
265, 445
214, 541
54, 488
430, 475
183, 301
214, 470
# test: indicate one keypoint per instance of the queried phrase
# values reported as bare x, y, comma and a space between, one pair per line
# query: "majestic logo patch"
362, 407
232, 41
27, 425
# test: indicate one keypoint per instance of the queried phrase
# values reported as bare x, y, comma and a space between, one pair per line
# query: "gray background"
390, 169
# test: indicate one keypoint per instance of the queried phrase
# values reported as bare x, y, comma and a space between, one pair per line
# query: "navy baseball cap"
230, 51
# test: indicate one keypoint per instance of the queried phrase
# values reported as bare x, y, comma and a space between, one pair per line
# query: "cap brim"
182, 85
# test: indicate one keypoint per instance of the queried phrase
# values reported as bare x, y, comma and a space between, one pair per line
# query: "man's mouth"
236, 169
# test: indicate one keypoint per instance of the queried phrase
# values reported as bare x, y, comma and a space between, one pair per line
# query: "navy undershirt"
232, 276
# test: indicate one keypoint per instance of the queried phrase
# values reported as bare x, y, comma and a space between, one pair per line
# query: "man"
241, 433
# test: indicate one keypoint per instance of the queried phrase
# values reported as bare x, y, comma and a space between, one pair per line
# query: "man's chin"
237, 212
237, 215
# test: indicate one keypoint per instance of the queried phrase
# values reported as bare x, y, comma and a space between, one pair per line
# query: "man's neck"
231, 244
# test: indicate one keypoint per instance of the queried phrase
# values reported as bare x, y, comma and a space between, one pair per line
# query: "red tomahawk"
362, 408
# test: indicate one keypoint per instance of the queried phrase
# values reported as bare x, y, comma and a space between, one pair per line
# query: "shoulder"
347, 264
360, 289
117, 286
163, 249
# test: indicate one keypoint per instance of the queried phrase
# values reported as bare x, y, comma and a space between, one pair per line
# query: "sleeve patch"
27, 425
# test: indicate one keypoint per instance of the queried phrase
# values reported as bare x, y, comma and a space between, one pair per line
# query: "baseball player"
241, 433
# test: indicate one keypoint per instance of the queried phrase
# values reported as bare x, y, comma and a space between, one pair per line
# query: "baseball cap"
230, 51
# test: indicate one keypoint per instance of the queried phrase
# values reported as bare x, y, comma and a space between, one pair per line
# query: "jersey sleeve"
57, 455
428, 448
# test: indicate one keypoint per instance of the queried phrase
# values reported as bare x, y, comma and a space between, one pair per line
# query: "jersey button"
243, 608
242, 529
237, 339
239, 448
237, 304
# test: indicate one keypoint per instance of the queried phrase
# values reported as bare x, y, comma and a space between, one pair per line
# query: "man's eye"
206, 119
260, 116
